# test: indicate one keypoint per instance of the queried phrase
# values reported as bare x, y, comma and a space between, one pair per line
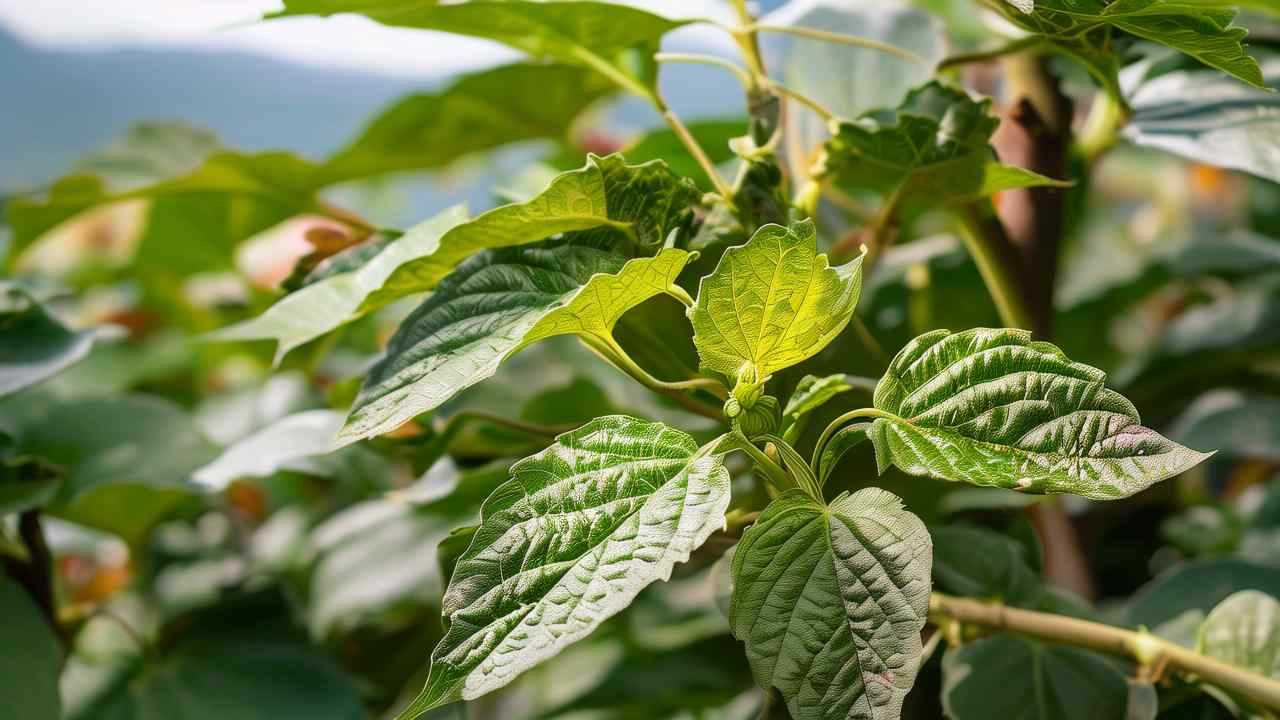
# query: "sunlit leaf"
598, 35
493, 305
994, 408
643, 201
325, 305
1015, 678
1244, 630
569, 541
830, 602
772, 303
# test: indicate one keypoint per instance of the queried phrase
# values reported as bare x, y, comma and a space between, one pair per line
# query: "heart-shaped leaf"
492, 306
1244, 630
644, 201
772, 303
830, 602
993, 407
579, 530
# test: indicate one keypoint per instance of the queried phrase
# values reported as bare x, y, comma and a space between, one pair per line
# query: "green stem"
834, 37
614, 355
743, 76
775, 474
807, 198
987, 55
445, 435
821, 110
842, 420
748, 42
976, 229
679, 293
1101, 129
1143, 647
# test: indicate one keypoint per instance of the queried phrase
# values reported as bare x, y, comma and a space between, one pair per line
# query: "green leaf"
844, 440
772, 303
479, 111
644, 201
934, 148
994, 408
830, 602
34, 345
1198, 585
579, 530
1244, 630
813, 392
323, 306
26, 483
1083, 29
1233, 422
616, 40
1013, 678
127, 459
713, 137
29, 669
973, 562
492, 306
1202, 116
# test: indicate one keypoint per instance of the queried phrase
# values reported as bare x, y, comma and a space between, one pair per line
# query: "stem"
814, 105
445, 435
743, 76
1142, 647
987, 55
624, 363
679, 293
747, 40
1101, 129
982, 235
844, 419
776, 475
807, 199
840, 38
864, 334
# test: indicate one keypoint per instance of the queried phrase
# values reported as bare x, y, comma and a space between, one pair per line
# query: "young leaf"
579, 530
593, 34
492, 306
1081, 29
992, 407
1006, 676
813, 392
29, 670
830, 602
320, 307
934, 148
1244, 630
772, 303
34, 345
644, 201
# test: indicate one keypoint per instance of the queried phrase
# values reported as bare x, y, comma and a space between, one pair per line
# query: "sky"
347, 42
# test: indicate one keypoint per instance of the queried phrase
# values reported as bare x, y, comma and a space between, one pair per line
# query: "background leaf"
34, 345
29, 670
1244, 630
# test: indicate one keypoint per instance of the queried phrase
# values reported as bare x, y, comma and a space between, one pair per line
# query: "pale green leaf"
1244, 630
579, 530
1080, 28
994, 408
1014, 678
772, 303
644, 201
34, 345
325, 305
492, 306
29, 667
830, 602
598, 35
933, 148
1203, 116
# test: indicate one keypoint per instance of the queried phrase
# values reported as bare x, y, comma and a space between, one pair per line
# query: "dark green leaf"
29, 667
994, 408
1013, 678
973, 562
1233, 422
1199, 585
26, 483
579, 530
34, 345
830, 602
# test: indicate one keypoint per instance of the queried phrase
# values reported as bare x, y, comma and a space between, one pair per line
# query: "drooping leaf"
1083, 29
569, 541
34, 345
1007, 676
324, 306
643, 201
772, 303
994, 408
1203, 116
1232, 421
593, 34
477, 112
973, 562
492, 306
1244, 630
127, 459
29, 669
830, 602
933, 148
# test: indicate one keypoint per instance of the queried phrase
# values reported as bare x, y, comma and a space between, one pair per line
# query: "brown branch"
35, 574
